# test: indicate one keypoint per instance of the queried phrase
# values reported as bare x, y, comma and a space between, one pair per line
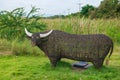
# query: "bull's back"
80, 46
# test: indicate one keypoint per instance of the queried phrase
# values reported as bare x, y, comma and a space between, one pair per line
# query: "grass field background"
20, 61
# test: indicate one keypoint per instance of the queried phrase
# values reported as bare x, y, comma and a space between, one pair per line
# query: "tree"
12, 23
86, 10
107, 9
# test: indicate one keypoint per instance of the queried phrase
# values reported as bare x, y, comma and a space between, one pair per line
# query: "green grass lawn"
39, 68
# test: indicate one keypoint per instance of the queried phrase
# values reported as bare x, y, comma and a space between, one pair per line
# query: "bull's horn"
46, 34
28, 33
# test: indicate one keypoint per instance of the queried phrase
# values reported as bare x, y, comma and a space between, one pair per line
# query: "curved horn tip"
46, 34
28, 33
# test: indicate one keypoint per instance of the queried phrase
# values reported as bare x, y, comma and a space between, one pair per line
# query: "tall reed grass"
20, 48
110, 27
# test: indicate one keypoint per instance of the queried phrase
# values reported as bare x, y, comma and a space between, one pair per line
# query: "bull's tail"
111, 51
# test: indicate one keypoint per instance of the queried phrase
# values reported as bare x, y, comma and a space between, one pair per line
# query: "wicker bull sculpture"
58, 44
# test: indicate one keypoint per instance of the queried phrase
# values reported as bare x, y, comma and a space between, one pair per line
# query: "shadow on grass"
63, 64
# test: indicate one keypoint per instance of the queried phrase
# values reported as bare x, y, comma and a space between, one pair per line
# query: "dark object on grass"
58, 44
80, 64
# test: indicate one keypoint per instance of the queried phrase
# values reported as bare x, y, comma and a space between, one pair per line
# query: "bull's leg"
54, 61
98, 63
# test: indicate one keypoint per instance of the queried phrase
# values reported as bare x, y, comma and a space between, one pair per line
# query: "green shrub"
24, 48
5, 44
12, 23
19, 48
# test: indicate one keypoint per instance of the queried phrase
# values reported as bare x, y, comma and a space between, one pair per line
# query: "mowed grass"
39, 68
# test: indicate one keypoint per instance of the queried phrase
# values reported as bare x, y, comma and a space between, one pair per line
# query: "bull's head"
37, 38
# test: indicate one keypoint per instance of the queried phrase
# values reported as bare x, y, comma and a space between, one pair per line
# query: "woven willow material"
92, 48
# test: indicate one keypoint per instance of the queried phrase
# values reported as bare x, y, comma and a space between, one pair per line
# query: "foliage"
107, 9
12, 23
86, 10
56, 16
18, 48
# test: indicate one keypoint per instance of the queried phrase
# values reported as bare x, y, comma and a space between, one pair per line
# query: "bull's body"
92, 48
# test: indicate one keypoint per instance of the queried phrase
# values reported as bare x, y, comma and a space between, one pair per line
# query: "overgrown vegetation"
110, 27
12, 23
107, 9
18, 48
